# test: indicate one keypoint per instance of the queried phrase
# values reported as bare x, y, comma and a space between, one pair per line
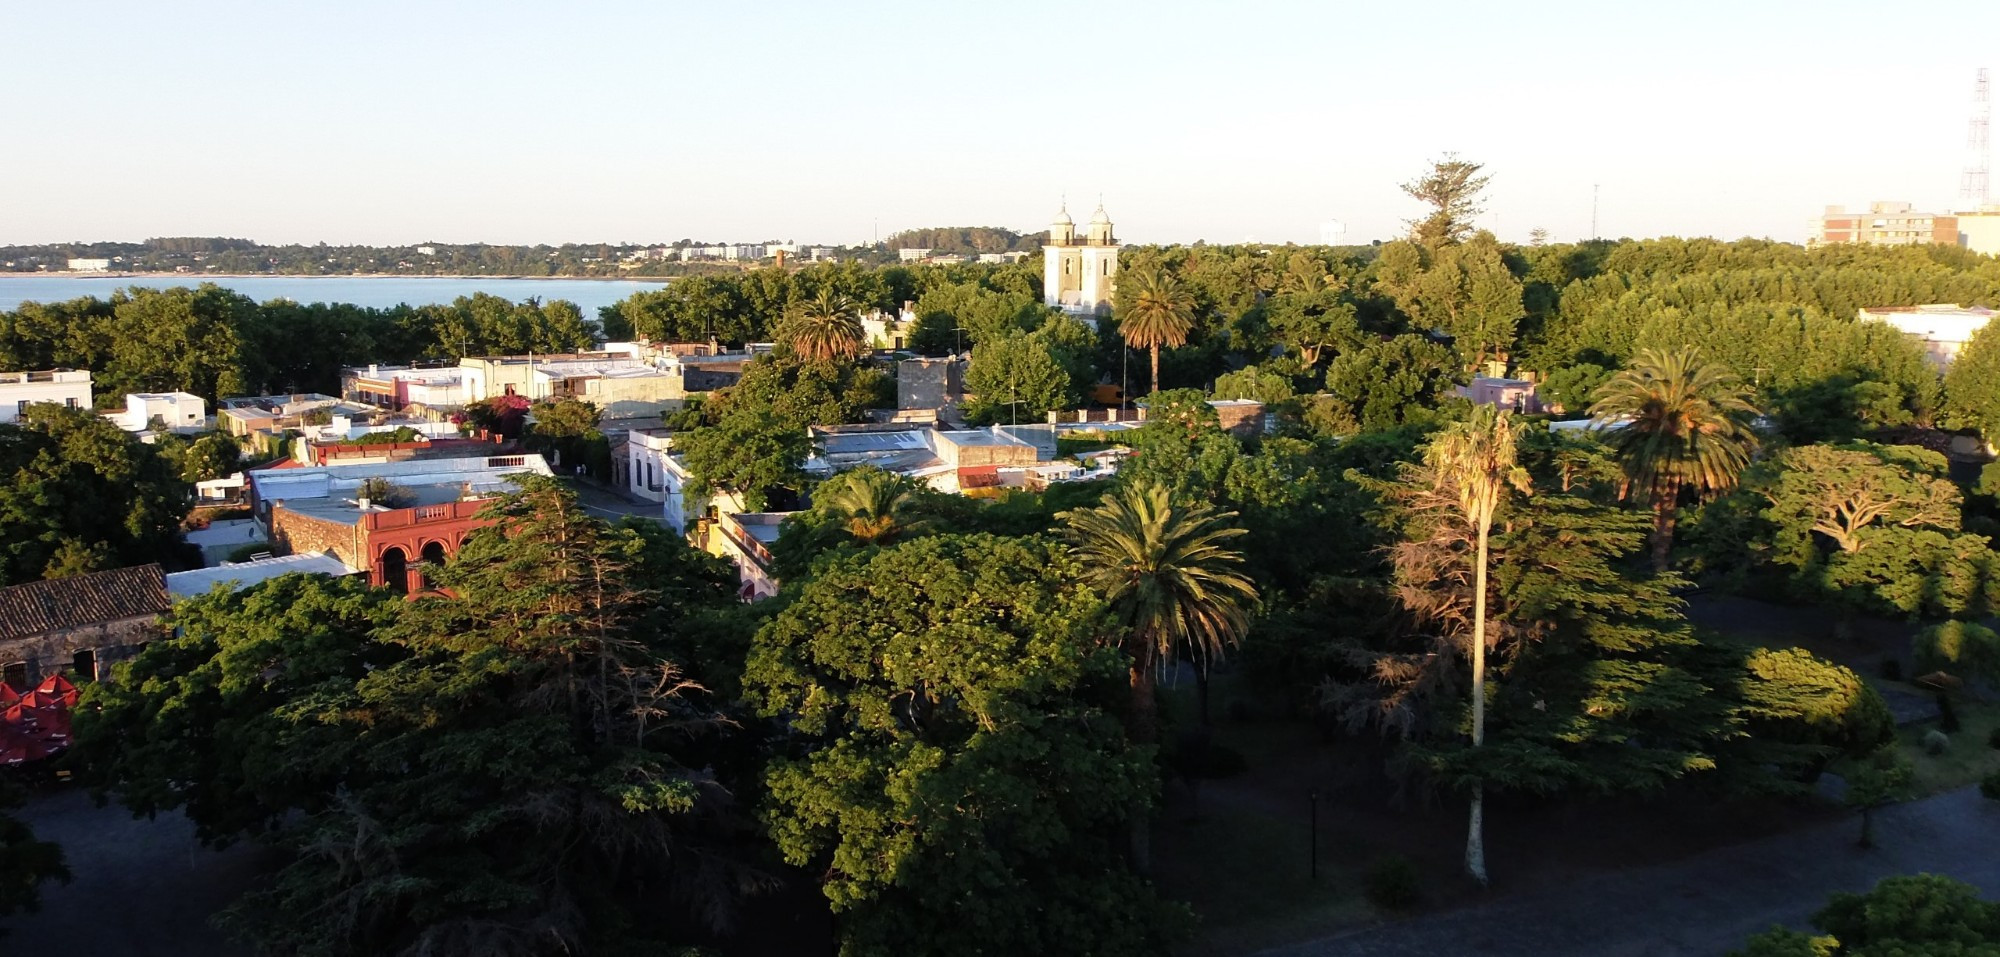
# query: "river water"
377, 291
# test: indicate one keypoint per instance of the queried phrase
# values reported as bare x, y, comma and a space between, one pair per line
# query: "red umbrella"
59, 687
7, 694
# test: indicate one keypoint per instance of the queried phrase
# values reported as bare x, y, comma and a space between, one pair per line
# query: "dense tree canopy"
79, 495
957, 778
509, 765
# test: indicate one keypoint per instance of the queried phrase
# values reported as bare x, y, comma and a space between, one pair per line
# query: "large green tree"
1918, 915
1461, 290
1155, 310
1471, 467
956, 776
1972, 384
77, 495
825, 328
1679, 424
1175, 586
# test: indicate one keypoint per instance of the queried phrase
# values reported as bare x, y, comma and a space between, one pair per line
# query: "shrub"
242, 553
1990, 786
1961, 648
1935, 742
1891, 669
1392, 883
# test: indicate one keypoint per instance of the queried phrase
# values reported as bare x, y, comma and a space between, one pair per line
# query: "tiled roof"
38, 607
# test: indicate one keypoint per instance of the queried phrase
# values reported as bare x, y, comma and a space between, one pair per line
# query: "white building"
179, 411
66, 387
1078, 276
884, 330
1942, 327
1979, 230
912, 254
89, 265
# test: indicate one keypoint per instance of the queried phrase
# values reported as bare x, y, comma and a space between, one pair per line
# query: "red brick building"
432, 510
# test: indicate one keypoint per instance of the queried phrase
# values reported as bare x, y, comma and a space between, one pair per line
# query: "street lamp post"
1312, 795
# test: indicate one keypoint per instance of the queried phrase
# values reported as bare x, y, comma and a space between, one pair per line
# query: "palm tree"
826, 327
1677, 423
872, 505
1472, 465
1158, 311
1173, 585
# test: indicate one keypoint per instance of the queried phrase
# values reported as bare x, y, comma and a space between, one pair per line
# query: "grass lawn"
1965, 761
1239, 850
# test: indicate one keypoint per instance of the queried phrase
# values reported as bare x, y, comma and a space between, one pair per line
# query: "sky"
542, 122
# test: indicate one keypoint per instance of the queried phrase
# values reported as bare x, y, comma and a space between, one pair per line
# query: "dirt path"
1702, 906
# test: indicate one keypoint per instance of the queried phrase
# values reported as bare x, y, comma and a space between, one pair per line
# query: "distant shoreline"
355, 275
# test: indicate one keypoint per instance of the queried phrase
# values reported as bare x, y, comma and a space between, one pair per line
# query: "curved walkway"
1703, 906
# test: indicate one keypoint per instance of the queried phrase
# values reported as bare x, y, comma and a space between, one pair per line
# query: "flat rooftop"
243, 575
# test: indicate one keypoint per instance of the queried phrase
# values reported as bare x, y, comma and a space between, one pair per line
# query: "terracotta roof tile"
38, 607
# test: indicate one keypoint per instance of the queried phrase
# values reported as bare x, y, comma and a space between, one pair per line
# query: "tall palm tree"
826, 327
1158, 311
872, 505
1472, 464
1677, 423
1173, 584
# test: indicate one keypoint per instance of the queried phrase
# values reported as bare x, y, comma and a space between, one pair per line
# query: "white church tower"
1079, 274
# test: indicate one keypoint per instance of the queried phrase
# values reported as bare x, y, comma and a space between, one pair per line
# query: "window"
21, 407
71, 402
83, 665
16, 674
1107, 267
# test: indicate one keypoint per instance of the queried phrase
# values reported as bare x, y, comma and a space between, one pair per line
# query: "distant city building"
89, 265
66, 387
1979, 230
886, 330
1333, 232
1943, 328
1884, 224
427, 250
912, 254
1078, 275
273, 414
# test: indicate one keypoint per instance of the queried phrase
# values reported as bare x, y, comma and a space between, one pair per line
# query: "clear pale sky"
355, 121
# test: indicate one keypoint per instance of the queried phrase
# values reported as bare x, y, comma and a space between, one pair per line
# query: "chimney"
363, 503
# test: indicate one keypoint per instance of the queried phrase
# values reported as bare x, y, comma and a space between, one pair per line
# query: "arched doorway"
434, 553
396, 569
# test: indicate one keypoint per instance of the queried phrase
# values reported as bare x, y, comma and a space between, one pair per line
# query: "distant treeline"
966, 240
216, 343
220, 255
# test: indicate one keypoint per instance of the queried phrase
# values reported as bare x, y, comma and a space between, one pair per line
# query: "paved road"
612, 505
1704, 906
139, 889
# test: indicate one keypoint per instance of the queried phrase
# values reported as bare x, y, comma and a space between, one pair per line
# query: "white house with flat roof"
66, 387
179, 411
1943, 328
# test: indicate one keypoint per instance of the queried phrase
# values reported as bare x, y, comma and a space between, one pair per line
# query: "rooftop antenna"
1973, 187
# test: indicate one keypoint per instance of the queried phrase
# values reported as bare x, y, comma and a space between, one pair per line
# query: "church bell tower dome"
1062, 230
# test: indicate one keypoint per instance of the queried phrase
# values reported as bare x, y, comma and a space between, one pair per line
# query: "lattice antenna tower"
1973, 187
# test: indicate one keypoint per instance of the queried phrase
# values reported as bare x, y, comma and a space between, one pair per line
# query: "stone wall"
54, 652
296, 534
